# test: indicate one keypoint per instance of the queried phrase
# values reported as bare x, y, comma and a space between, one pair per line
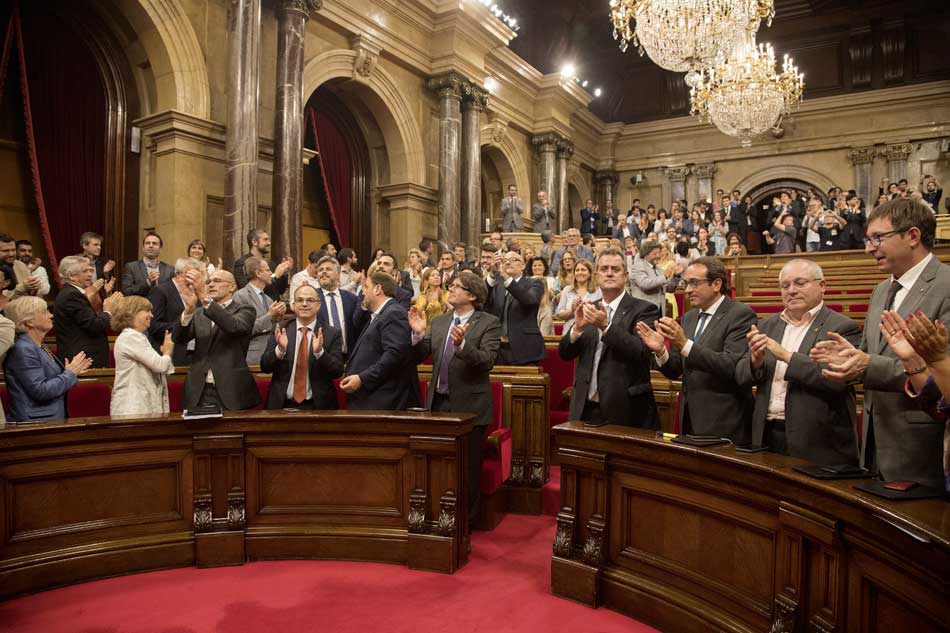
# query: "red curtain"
336, 169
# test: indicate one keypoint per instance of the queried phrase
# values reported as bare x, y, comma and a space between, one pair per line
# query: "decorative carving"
448, 85
606, 177
202, 517
817, 626
517, 472
303, 6
677, 173
497, 129
536, 477
417, 511
893, 44
783, 621
546, 142
474, 97
861, 50
594, 547
367, 54
862, 155
572, 167
446, 525
236, 514
897, 152
564, 537
565, 149
704, 171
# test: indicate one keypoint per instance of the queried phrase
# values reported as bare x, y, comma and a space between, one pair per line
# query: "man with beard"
258, 241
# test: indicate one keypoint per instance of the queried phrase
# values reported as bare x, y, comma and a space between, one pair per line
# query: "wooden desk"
97, 497
702, 540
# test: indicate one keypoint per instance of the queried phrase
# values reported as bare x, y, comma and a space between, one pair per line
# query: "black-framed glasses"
456, 284
876, 239
694, 283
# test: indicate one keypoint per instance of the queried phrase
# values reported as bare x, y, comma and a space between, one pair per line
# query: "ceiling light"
597, 92
568, 71
491, 84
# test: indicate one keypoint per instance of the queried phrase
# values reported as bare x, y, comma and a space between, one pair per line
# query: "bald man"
221, 330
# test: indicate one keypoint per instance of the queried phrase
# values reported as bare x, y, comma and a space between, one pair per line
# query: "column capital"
899, 151
862, 155
677, 173
302, 6
448, 85
367, 54
565, 149
546, 142
705, 170
474, 97
606, 177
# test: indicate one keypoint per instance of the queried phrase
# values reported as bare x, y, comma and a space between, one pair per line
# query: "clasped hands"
417, 322
664, 329
316, 343
588, 314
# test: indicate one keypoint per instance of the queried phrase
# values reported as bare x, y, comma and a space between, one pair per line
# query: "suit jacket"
135, 277
7, 335
544, 219
469, 369
713, 403
37, 383
222, 349
588, 220
623, 374
819, 413
511, 214
263, 326
524, 335
320, 371
650, 285
166, 313
79, 328
354, 317
908, 442
383, 359
273, 289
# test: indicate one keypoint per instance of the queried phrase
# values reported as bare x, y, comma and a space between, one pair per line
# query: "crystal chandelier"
743, 96
686, 35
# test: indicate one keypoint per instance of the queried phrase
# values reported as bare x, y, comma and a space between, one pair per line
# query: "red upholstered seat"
768, 309
89, 399
5, 398
559, 329
766, 293
562, 377
263, 385
496, 452
176, 390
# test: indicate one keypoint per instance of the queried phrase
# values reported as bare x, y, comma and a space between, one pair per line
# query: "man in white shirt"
308, 275
24, 253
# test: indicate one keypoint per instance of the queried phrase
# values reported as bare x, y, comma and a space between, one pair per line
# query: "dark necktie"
335, 317
504, 313
448, 353
700, 326
891, 294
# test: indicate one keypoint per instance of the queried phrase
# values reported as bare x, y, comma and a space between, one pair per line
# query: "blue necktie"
447, 354
700, 326
335, 319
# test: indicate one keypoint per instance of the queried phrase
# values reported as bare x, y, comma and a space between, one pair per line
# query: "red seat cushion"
562, 376
768, 309
559, 329
89, 400
176, 390
263, 386
5, 398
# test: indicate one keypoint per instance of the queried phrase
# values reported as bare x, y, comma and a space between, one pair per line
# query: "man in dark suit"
386, 263
141, 275
735, 215
589, 218
303, 358
79, 328
258, 241
167, 306
337, 307
221, 330
798, 411
464, 345
705, 352
91, 244
612, 380
514, 299
381, 370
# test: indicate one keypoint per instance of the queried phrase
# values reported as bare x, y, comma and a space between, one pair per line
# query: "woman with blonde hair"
140, 387
565, 274
433, 300
414, 261
583, 288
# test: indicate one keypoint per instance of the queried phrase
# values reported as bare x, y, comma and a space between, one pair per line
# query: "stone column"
565, 149
474, 103
862, 159
286, 230
896, 156
546, 145
240, 145
449, 89
605, 184
677, 176
704, 175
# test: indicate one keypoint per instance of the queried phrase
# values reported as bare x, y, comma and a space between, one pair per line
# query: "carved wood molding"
564, 537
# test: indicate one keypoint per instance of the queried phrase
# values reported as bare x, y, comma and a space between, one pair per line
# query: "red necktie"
300, 368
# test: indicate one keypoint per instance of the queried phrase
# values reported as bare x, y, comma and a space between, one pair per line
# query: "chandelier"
686, 35
743, 96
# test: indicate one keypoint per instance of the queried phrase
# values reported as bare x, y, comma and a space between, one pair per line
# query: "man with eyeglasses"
515, 298
704, 352
303, 357
798, 411
898, 440
464, 344
221, 329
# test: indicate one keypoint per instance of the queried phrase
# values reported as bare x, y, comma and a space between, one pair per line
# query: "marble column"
240, 145
565, 149
704, 176
546, 145
286, 229
677, 176
862, 160
474, 102
896, 156
449, 89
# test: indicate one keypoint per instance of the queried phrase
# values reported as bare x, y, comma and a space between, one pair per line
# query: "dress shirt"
336, 300
463, 319
791, 341
711, 311
908, 279
611, 308
301, 278
297, 342
372, 317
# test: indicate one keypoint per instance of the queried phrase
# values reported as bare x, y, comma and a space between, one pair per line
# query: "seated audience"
572, 244
433, 299
267, 311
735, 247
515, 298
583, 288
539, 268
167, 306
78, 327
647, 281
303, 378
37, 381
258, 242
140, 387
141, 275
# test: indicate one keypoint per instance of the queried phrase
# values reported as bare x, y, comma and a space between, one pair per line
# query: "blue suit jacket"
354, 317
37, 383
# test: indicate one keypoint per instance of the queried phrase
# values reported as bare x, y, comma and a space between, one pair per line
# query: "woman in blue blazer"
37, 381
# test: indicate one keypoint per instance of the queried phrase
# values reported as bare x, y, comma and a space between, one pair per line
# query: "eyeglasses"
307, 300
798, 283
695, 283
458, 286
876, 239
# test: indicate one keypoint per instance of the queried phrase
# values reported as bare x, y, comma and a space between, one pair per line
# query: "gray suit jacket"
712, 402
819, 413
908, 443
263, 326
469, 369
544, 219
511, 214
649, 285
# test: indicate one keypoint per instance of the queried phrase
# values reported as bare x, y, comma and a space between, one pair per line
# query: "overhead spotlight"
584, 83
491, 84
568, 71
597, 92
513, 23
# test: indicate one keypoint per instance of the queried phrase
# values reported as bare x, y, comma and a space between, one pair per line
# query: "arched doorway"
763, 194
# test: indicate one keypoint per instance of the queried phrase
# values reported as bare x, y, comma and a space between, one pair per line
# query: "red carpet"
503, 589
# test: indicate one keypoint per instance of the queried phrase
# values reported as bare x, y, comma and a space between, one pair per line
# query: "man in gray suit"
798, 411
511, 211
704, 351
464, 345
267, 311
899, 440
647, 281
143, 274
544, 215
